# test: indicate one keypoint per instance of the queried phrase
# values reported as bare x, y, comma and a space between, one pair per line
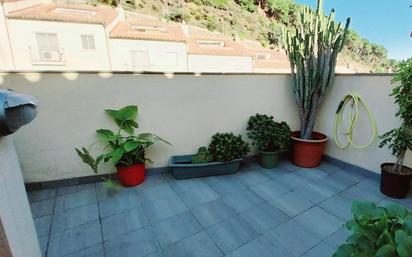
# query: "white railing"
47, 56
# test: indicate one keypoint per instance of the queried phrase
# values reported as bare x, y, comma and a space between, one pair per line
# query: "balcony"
47, 57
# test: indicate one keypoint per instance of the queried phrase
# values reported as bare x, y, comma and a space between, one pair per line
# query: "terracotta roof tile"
66, 13
145, 29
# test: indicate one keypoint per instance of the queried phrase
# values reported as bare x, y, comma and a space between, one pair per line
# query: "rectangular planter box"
182, 167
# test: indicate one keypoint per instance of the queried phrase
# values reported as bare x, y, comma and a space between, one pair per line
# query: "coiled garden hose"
356, 102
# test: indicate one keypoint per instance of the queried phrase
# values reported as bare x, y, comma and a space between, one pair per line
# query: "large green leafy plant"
378, 232
226, 147
399, 140
123, 147
268, 135
313, 48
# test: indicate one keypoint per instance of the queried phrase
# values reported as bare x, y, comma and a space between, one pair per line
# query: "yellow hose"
356, 101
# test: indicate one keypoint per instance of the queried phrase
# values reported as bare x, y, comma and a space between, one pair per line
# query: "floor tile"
184, 185
293, 237
288, 165
176, 228
339, 205
367, 190
276, 173
74, 217
74, 239
225, 185
138, 243
251, 178
156, 193
291, 203
292, 181
123, 222
94, 251
264, 217
260, 247
320, 250
203, 194
74, 189
43, 241
338, 237
312, 174
314, 193
319, 222
43, 225
232, 233
270, 189
39, 195
118, 203
104, 192
243, 200
198, 245
338, 181
164, 208
213, 212
42, 208
74, 200
328, 167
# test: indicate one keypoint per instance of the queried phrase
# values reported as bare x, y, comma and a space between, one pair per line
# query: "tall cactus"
312, 50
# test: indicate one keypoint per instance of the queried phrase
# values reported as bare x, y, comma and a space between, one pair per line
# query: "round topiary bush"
226, 147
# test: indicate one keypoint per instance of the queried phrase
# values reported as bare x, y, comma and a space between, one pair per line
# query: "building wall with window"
214, 63
45, 45
148, 55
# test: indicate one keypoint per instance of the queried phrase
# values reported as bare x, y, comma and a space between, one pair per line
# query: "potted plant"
395, 177
312, 50
223, 156
124, 148
272, 138
378, 231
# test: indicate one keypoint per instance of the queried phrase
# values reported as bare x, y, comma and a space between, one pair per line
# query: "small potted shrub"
378, 231
395, 177
223, 156
124, 148
272, 138
312, 49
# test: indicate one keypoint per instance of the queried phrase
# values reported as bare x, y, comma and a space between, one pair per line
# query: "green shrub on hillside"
248, 5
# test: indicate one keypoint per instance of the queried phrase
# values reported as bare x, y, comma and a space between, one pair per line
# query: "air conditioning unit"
50, 56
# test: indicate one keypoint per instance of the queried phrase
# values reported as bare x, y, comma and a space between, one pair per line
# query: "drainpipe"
108, 49
8, 35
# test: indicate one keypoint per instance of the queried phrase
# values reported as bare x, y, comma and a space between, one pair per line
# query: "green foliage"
219, 4
378, 232
313, 49
280, 9
400, 139
248, 5
123, 148
202, 156
226, 147
268, 135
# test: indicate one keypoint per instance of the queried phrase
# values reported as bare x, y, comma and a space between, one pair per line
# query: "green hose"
356, 101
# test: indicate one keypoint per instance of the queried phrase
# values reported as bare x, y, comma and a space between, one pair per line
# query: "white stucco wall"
211, 63
23, 37
184, 109
158, 52
15, 213
6, 59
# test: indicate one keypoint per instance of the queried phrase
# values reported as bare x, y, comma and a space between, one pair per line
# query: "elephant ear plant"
123, 148
378, 232
396, 178
312, 49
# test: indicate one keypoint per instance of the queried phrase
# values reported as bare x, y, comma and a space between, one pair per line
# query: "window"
211, 43
262, 57
140, 60
74, 11
147, 28
88, 42
48, 47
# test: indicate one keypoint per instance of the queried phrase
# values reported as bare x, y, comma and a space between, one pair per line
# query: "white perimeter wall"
211, 63
184, 109
157, 50
23, 37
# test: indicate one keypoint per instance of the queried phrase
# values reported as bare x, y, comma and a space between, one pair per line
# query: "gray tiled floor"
283, 212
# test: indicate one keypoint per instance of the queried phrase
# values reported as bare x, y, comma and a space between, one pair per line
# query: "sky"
385, 22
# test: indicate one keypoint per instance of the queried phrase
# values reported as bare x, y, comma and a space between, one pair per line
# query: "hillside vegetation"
260, 20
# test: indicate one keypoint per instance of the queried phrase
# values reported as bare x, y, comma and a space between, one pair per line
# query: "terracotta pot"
131, 175
308, 153
394, 184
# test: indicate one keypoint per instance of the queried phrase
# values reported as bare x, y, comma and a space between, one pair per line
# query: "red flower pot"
308, 153
131, 175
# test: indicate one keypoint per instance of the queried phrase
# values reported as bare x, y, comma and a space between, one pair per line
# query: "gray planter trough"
182, 167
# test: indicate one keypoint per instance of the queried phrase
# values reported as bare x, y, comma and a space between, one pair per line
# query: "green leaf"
106, 135
363, 209
386, 251
403, 244
345, 250
408, 226
384, 239
117, 154
87, 158
130, 145
395, 210
127, 113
